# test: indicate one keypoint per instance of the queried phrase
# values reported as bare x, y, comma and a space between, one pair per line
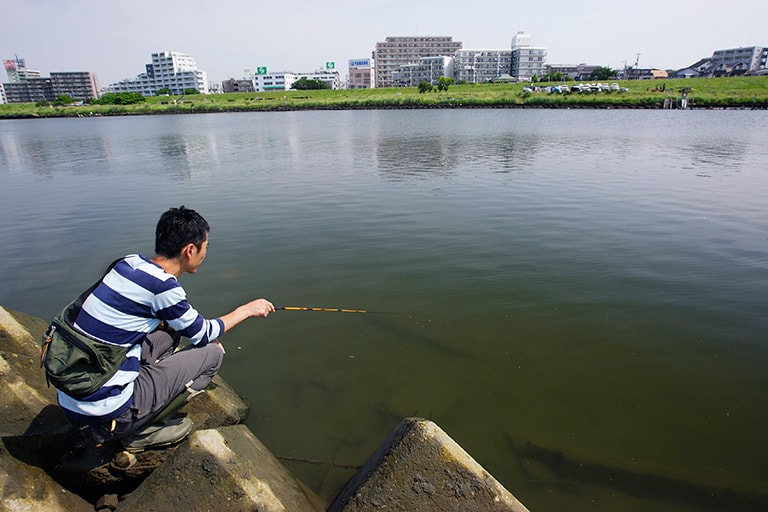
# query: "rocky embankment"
44, 466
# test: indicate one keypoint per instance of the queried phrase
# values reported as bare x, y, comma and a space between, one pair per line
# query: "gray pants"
164, 374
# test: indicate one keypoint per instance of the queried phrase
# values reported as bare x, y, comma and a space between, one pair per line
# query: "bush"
305, 84
120, 98
62, 100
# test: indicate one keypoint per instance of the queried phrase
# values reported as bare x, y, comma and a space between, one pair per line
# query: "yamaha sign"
360, 63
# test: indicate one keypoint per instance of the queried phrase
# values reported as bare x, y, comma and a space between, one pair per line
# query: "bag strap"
72, 310
78, 302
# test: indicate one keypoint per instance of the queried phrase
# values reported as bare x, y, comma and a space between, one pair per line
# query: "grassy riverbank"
736, 92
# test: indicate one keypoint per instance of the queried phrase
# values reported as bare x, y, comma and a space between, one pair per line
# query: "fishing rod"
327, 310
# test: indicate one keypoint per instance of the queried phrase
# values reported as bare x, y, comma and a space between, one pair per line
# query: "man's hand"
255, 308
259, 307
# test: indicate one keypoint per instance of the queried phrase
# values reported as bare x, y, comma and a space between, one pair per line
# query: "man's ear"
188, 250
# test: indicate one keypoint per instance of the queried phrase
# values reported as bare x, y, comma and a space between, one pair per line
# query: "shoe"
157, 435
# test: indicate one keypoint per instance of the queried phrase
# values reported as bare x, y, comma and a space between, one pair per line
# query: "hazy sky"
115, 39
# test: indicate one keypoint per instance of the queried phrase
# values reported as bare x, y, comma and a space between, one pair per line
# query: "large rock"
30, 423
223, 469
420, 468
24, 394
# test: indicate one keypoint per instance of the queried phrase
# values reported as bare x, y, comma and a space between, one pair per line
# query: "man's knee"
215, 354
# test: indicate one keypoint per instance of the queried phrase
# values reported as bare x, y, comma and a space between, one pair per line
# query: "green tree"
306, 84
190, 90
443, 83
425, 86
164, 90
603, 73
62, 100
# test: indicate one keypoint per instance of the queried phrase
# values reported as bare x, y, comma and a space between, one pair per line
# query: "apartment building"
362, 74
394, 52
571, 71
79, 85
479, 66
3, 100
173, 70
643, 74
527, 60
427, 69
235, 85
738, 61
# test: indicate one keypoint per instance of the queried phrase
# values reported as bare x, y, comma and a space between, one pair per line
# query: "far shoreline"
731, 93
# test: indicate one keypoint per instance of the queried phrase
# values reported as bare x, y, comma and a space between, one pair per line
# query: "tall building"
394, 52
81, 85
173, 70
479, 66
362, 74
18, 72
527, 60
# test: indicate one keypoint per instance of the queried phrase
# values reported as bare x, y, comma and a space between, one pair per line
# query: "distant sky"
116, 39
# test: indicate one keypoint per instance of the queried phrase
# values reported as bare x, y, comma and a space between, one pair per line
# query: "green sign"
330, 65
262, 70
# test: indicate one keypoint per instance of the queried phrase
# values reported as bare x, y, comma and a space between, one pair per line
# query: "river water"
577, 297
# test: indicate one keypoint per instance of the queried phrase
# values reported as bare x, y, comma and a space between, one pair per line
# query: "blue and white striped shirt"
132, 300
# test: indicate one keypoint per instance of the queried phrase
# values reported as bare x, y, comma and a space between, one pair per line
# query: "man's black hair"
178, 227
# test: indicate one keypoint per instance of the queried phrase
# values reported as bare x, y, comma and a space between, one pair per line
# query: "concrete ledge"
223, 469
420, 468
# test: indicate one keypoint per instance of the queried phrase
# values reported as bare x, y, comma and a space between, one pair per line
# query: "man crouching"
140, 306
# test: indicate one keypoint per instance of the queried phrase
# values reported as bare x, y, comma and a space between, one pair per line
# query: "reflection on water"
566, 295
410, 157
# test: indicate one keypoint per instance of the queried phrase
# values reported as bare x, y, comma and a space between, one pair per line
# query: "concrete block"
29, 488
420, 468
219, 406
223, 469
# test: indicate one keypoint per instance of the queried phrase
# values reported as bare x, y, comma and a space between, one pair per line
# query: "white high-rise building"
527, 60
173, 70
479, 66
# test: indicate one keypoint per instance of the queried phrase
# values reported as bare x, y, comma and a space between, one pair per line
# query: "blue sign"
360, 63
